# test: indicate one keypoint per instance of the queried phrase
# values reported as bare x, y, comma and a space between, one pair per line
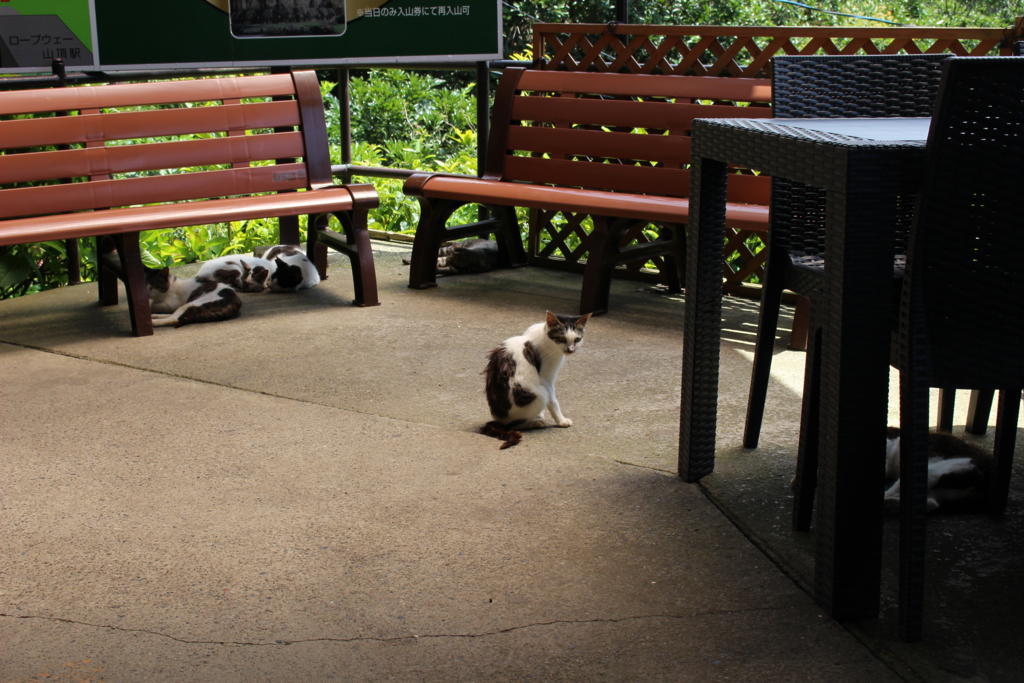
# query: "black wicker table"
862, 165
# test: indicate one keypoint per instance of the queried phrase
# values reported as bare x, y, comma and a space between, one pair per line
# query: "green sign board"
112, 35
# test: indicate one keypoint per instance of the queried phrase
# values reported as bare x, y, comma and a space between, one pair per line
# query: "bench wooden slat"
66, 130
40, 199
145, 94
654, 208
595, 143
97, 161
671, 182
648, 85
132, 219
624, 113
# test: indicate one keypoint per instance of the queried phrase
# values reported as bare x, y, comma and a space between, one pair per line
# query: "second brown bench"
614, 146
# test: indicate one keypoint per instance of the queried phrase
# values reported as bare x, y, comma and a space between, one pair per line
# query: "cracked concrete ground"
300, 494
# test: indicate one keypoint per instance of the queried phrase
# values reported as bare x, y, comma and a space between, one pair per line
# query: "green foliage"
409, 114
203, 242
28, 268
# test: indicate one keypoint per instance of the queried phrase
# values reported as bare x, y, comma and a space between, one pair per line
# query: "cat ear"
551, 319
582, 320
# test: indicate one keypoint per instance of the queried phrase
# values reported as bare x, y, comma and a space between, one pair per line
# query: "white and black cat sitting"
521, 374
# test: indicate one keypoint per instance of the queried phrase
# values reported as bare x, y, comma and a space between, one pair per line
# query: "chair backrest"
92, 147
966, 291
843, 86
614, 131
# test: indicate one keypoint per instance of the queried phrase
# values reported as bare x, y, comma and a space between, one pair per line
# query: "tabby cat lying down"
475, 255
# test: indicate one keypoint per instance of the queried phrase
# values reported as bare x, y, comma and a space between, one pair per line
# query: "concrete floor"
300, 494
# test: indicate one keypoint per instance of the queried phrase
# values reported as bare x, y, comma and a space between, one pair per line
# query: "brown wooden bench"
109, 161
614, 146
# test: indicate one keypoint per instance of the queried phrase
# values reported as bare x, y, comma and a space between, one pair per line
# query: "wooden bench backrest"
611, 131
92, 147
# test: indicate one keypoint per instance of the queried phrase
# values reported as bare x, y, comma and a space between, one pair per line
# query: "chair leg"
978, 411
947, 400
1005, 440
805, 482
135, 283
767, 325
602, 246
801, 324
429, 235
913, 502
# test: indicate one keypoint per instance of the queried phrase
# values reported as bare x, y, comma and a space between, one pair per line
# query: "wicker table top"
862, 164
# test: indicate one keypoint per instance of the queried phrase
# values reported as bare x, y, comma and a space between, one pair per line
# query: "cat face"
159, 279
286, 276
566, 330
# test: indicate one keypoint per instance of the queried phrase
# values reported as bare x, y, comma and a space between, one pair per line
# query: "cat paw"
564, 422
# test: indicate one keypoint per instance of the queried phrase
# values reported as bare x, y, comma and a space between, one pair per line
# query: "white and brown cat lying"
958, 473
242, 273
292, 269
521, 374
280, 268
180, 301
213, 293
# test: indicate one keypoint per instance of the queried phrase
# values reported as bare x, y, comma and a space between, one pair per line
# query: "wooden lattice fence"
557, 239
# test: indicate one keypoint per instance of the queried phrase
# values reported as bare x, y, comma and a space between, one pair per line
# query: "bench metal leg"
134, 276
510, 242
316, 250
429, 236
106, 275
675, 260
288, 229
597, 274
364, 274
355, 244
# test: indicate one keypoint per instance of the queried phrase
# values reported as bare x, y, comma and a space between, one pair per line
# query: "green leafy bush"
410, 115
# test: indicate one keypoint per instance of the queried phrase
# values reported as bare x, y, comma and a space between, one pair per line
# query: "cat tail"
499, 431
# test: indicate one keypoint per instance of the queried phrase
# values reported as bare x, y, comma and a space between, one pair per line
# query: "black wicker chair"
832, 86
964, 286
962, 295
